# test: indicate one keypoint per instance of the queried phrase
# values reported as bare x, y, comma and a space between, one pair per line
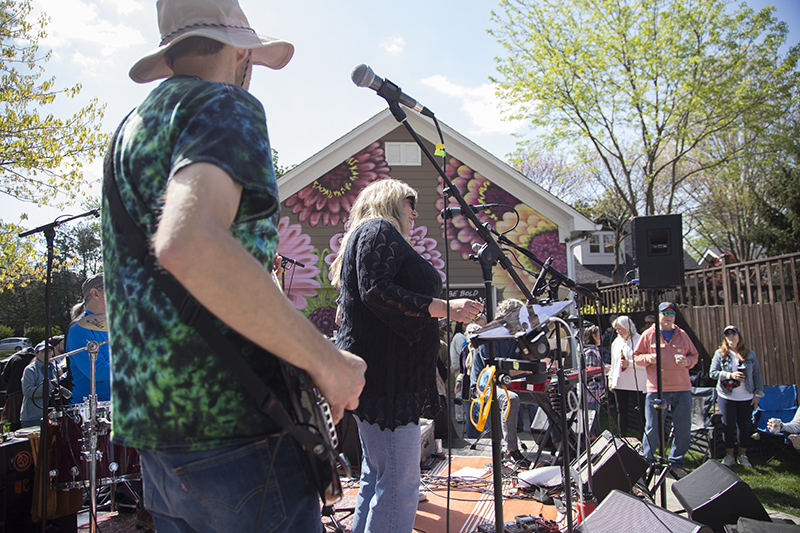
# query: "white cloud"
394, 45
78, 23
479, 103
125, 7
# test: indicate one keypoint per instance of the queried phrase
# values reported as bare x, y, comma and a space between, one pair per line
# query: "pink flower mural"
476, 190
535, 233
424, 246
329, 198
299, 283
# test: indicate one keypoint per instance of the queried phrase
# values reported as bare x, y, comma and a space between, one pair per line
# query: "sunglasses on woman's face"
668, 313
730, 333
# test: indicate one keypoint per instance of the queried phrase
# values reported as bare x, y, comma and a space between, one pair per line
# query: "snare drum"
115, 463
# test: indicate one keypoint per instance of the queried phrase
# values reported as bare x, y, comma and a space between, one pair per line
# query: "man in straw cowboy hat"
193, 167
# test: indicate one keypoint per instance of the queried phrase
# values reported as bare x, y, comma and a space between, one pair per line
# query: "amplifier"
17, 487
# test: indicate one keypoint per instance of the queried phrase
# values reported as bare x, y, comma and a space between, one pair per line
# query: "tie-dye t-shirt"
170, 391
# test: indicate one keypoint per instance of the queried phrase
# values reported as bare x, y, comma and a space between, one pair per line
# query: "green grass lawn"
774, 478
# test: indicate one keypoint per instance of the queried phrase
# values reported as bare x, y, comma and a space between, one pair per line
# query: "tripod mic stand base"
329, 512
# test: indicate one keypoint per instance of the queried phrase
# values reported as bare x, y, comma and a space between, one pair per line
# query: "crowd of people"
208, 212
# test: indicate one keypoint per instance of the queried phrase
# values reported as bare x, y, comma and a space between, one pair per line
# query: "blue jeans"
389, 490
231, 489
680, 405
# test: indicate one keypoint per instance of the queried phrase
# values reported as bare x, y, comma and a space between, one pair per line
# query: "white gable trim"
569, 221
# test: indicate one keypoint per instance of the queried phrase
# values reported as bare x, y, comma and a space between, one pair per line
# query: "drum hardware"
84, 428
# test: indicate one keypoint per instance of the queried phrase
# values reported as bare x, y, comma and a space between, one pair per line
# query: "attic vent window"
403, 154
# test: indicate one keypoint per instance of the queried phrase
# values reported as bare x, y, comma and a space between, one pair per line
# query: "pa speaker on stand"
658, 251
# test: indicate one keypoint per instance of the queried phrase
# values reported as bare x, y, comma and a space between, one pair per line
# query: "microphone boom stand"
489, 255
49, 231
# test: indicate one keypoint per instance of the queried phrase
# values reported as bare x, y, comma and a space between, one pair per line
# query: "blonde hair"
379, 199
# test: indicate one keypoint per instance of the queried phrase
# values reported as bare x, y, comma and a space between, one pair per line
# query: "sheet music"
520, 321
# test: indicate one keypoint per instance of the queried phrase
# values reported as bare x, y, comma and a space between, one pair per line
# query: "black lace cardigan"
386, 289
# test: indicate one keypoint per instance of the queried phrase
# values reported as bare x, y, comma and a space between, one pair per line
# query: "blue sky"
438, 52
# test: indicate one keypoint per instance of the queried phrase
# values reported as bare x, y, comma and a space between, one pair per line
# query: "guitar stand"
329, 512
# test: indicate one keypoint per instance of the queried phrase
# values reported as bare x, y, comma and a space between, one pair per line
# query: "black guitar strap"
193, 313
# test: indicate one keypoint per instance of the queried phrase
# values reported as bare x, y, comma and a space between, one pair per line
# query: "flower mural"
299, 283
476, 190
321, 310
533, 232
424, 246
536, 234
329, 198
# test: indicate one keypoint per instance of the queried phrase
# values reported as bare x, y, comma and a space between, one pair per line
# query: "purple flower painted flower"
329, 198
299, 282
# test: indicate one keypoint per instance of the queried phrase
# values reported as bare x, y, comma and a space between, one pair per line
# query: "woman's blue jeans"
389, 491
680, 405
231, 489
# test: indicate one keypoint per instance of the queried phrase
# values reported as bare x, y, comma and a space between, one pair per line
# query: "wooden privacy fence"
760, 297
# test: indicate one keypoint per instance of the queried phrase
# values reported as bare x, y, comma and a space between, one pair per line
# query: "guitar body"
311, 413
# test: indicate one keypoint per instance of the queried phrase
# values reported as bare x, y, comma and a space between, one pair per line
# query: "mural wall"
315, 219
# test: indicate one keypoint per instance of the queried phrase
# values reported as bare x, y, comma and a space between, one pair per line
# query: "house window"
403, 154
607, 244
594, 244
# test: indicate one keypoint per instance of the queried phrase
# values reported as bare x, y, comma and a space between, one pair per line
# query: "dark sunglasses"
668, 313
730, 333
413, 202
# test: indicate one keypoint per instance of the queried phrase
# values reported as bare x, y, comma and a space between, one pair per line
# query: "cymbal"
96, 322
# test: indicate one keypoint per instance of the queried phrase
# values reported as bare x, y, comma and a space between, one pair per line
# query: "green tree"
643, 84
778, 201
41, 155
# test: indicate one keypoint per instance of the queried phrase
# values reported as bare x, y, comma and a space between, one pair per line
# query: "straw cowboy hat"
221, 20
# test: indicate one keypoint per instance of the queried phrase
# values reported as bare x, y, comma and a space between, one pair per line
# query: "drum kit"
84, 454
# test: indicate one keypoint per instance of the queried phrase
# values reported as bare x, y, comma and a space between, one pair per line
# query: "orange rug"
471, 502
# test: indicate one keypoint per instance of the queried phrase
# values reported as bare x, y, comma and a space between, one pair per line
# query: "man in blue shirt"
77, 336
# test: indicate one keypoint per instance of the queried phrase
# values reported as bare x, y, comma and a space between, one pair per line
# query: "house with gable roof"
317, 196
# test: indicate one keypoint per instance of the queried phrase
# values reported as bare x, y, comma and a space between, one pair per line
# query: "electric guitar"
312, 414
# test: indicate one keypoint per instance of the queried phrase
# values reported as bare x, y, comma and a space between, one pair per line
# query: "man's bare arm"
194, 244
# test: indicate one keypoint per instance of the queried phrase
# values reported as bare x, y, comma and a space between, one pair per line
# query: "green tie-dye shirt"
169, 390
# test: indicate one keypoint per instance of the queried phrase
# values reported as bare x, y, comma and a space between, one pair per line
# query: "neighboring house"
319, 193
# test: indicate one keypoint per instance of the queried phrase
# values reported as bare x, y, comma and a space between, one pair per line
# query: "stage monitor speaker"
658, 251
748, 525
615, 465
622, 512
715, 496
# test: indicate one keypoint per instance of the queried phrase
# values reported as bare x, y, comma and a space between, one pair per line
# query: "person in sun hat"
735, 364
193, 168
678, 355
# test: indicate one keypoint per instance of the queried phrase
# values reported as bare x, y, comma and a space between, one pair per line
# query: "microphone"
363, 76
285, 259
450, 212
